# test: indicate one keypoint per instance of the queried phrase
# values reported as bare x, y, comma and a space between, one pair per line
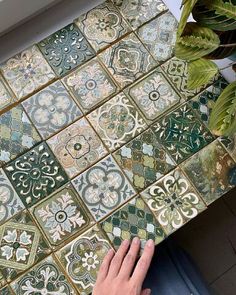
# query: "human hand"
116, 275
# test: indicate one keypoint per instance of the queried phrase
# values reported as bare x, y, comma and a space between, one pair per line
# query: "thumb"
146, 292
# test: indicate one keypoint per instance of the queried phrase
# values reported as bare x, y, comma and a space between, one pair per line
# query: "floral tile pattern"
27, 72
117, 121
159, 36
51, 109
90, 84
36, 174
6, 97
182, 133
222, 178
77, 147
134, 219
173, 201
103, 188
139, 12
10, 203
154, 95
44, 278
62, 215
82, 258
17, 134
127, 60
102, 25
66, 49
144, 160
21, 245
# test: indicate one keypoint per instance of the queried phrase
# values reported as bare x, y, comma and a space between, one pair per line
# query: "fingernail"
125, 242
136, 240
150, 243
148, 292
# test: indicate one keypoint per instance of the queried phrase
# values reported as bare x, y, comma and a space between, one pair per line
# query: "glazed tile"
173, 201
10, 203
90, 84
27, 71
6, 291
102, 25
154, 95
133, 220
6, 97
77, 147
182, 134
62, 215
159, 36
21, 245
82, 258
45, 278
127, 60
117, 121
66, 49
36, 174
230, 144
139, 12
215, 159
17, 134
144, 160
103, 188
51, 109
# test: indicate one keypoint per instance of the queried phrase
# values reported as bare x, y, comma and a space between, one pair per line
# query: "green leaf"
216, 14
200, 72
223, 116
196, 42
187, 9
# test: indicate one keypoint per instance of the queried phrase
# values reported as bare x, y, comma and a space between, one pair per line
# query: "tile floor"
100, 140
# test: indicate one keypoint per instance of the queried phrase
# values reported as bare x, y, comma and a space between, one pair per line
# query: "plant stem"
228, 45
228, 66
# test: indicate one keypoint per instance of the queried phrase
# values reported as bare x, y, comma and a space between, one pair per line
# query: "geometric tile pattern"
6, 97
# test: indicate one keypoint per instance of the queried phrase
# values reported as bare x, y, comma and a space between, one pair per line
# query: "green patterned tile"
212, 171
27, 72
66, 49
117, 121
36, 174
173, 201
82, 258
17, 134
144, 160
154, 95
139, 12
181, 133
6, 97
6, 291
21, 245
102, 25
159, 36
133, 220
127, 60
230, 144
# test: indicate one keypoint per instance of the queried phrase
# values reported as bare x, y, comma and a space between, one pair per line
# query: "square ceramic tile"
117, 121
6, 97
154, 95
27, 71
17, 134
177, 71
66, 49
62, 215
133, 220
51, 109
21, 245
127, 60
144, 160
159, 36
230, 144
36, 174
2, 280
10, 203
90, 84
45, 278
181, 133
102, 25
82, 258
222, 176
6, 291
77, 147
103, 188
173, 201
139, 12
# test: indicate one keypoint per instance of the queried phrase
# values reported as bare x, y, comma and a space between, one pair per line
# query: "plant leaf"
216, 14
200, 72
187, 9
223, 116
196, 42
